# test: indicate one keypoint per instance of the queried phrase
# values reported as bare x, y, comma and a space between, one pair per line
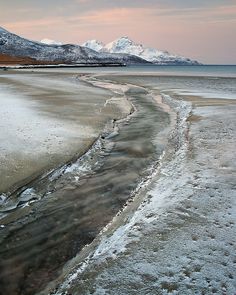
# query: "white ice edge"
117, 242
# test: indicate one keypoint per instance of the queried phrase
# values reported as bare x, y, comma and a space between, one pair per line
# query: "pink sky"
205, 33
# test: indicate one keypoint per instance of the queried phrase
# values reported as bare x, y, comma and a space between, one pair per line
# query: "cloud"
129, 16
89, 5
107, 17
116, 16
30, 25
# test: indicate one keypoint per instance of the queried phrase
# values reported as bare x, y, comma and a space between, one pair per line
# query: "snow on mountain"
16, 46
122, 50
125, 45
94, 44
50, 42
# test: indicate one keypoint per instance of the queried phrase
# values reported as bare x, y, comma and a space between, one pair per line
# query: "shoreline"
56, 66
104, 246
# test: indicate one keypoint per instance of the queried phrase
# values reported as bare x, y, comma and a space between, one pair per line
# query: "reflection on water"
75, 205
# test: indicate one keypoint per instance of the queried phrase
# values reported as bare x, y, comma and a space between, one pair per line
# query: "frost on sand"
181, 239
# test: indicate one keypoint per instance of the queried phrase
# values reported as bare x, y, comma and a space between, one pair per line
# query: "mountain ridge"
122, 51
126, 45
13, 45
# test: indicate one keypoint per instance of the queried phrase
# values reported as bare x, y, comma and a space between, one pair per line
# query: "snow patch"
50, 42
94, 45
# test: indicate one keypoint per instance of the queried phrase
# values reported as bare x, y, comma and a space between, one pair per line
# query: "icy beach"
153, 195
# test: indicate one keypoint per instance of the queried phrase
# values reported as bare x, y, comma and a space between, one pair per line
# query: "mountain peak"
125, 45
94, 44
119, 45
124, 38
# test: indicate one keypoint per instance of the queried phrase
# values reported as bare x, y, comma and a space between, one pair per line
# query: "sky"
200, 29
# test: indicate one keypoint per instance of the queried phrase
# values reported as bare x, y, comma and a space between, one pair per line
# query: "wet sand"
45, 121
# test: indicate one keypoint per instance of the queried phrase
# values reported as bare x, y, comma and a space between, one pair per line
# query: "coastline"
58, 66
172, 236
52, 136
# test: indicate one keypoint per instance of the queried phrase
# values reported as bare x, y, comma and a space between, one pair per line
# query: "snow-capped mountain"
94, 44
125, 45
50, 42
12, 45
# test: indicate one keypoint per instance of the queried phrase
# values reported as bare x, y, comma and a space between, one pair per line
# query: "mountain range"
126, 45
17, 50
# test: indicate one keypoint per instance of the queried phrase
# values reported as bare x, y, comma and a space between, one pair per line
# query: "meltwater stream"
58, 215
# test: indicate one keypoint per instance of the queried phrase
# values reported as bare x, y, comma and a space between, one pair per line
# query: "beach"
152, 196
45, 122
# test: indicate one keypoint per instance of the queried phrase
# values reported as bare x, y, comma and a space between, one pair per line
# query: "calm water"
208, 70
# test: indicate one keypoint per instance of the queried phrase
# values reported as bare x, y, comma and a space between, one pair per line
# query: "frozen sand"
45, 121
181, 240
